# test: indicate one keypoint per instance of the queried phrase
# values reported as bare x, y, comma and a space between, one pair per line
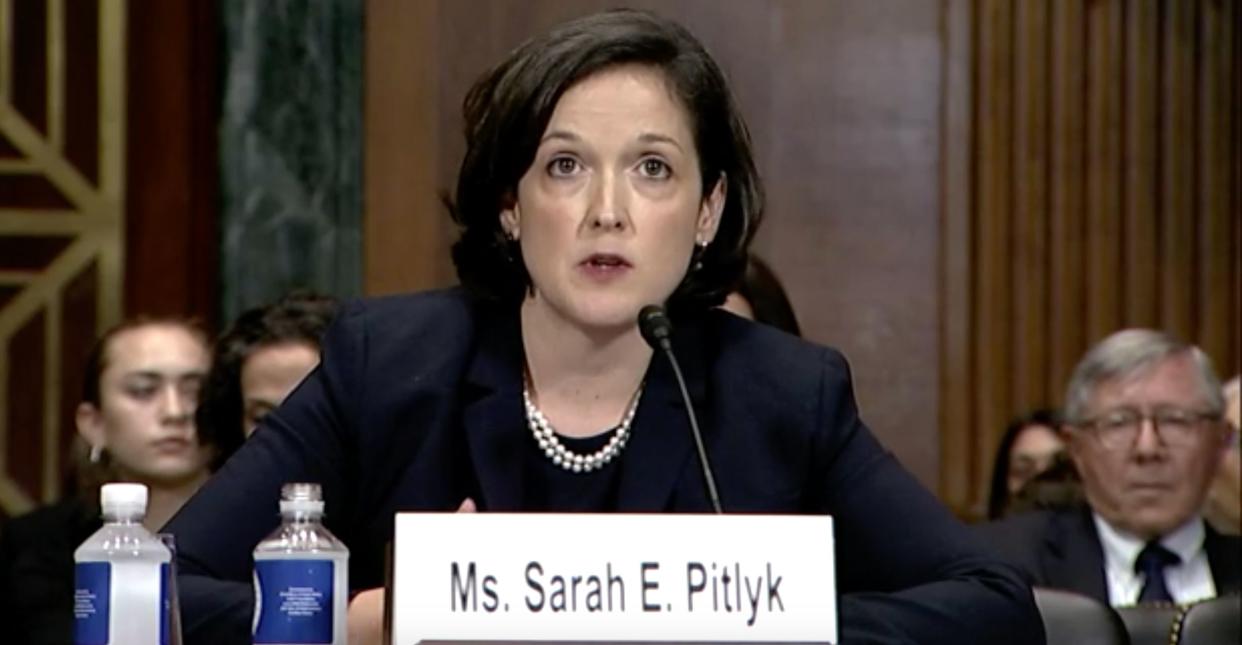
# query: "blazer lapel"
1073, 557
1225, 560
493, 415
661, 447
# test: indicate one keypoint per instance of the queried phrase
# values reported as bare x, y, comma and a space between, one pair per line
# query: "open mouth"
606, 261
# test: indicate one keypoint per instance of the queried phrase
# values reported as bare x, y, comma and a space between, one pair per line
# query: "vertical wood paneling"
1030, 204
1104, 50
994, 185
1140, 253
1066, 192
405, 226
1106, 197
957, 342
1213, 232
1177, 206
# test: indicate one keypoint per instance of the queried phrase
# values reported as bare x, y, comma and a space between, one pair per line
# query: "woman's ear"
711, 210
89, 421
510, 222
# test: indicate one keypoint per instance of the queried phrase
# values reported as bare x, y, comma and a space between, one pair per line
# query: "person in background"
1145, 429
135, 423
1057, 487
1224, 505
761, 298
260, 359
1029, 446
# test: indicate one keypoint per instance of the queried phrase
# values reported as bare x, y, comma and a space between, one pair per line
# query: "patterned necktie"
1151, 562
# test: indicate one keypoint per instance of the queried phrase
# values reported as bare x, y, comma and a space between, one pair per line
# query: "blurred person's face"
1155, 480
269, 374
148, 390
1033, 451
610, 210
737, 304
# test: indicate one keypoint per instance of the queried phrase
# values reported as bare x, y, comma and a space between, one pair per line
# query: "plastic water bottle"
121, 576
301, 575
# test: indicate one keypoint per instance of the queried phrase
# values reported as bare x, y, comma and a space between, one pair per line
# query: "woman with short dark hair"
607, 168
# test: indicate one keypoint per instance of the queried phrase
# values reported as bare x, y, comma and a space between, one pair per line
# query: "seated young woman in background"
135, 423
1029, 446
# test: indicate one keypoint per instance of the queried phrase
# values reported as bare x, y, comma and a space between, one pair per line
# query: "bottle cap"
301, 492
127, 498
301, 497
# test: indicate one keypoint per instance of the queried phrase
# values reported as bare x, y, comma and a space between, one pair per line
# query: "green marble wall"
290, 149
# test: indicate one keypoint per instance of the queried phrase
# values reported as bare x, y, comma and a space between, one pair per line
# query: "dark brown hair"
999, 497
299, 317
508, 109
766, 297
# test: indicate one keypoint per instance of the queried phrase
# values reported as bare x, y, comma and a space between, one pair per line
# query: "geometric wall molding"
61, 225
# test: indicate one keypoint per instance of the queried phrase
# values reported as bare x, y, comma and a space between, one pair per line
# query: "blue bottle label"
92, 587
165, 604
294, 601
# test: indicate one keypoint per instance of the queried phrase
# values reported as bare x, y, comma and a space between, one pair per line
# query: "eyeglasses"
1119, 429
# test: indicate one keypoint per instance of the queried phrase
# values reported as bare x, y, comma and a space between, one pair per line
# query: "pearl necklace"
564, 457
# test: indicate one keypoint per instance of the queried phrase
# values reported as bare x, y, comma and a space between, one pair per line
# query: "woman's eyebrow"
655, 137
563, 135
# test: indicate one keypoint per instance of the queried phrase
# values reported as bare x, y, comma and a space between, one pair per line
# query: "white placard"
613, 577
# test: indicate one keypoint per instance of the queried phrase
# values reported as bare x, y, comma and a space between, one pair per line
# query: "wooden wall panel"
1112, 209
171, 245
1030, 201
1067, 137
994, 183
1177, 159
1139, 188
1217, 216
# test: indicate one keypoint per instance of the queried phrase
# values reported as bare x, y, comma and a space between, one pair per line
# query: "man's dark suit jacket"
1061, 549
417, 405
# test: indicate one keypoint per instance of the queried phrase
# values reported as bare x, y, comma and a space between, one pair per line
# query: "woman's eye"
655, 169
563, 166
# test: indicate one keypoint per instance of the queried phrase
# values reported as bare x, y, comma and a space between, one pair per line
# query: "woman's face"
269, 374
148, 391
1034, 450
609, 212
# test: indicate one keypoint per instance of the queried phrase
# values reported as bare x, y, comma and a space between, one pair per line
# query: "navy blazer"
417, 405
1061, 549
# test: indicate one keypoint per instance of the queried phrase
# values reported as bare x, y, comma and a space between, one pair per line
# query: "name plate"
612, 577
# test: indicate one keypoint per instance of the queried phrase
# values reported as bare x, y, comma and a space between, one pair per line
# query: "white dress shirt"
1188, 581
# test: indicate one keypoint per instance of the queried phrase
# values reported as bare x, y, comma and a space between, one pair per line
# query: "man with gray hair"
1145, 429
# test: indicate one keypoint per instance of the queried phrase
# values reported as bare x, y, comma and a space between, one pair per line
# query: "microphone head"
655, 326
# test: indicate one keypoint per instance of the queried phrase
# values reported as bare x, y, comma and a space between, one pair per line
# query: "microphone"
657, 330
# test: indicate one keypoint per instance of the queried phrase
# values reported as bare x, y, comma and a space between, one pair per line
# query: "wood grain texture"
1106, 199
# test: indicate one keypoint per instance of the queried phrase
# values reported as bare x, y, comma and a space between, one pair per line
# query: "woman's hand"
366, 611
366, 618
